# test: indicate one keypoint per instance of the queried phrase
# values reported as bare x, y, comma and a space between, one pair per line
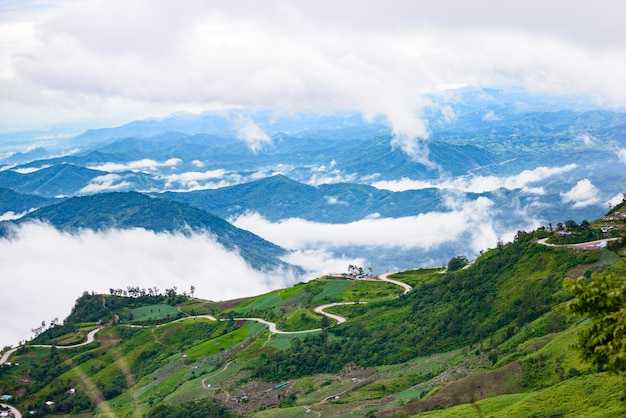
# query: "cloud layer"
470, 224
584, 193
44, 271
480, 184
64, 61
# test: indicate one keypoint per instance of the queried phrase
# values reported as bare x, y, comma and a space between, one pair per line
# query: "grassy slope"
534, 369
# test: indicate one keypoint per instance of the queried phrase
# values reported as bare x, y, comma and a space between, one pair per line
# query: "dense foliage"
89, 307
197, 409
603, 299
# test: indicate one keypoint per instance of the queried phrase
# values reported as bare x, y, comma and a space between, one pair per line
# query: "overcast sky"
111, 61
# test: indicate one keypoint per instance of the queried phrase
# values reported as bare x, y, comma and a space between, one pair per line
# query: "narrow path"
92, 391
384, 278
339, 319
90, 339
156, 339
272, 326
204, 385
589, 245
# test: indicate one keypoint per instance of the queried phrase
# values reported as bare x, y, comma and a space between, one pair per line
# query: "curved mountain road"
339, 319
384, 277
14, 411
589, 245
90, 338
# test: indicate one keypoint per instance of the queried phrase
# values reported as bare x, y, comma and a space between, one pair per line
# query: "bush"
457, 263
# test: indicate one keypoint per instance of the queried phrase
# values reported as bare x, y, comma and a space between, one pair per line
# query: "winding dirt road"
16, 413
589, 245
384, 277
89, 340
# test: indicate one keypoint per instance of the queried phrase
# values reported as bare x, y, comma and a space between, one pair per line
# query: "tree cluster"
603, 299
196, 409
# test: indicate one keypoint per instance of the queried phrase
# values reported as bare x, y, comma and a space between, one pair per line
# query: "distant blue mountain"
227, 123
24, 157
328, 163
135, 210
278, 197
57, 180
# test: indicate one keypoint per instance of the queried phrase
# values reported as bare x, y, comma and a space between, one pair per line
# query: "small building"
6, 397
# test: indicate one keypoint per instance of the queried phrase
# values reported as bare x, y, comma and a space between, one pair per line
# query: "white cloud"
194, 180
425, 231
251, 134
107, 182
490, 116
328, 175
10, 215
334, 200
479, 184
616, 200
68, 264
145, 165
320, 262
28, 170
586, 139
63, 62
621, 154
584, 193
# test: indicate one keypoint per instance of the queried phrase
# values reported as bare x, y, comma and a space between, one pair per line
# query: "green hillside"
492, 339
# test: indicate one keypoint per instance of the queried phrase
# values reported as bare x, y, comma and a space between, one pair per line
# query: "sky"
105, 62
98, 63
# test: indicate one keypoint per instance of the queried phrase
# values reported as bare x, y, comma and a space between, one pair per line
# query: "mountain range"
539, 160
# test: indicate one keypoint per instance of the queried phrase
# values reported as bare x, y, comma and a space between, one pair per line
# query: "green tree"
603, 300
325, 323
457, 263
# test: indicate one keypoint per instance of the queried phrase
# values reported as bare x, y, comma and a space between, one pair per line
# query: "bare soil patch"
227, 304
106, 339
24, 380
504, 380
256, 395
